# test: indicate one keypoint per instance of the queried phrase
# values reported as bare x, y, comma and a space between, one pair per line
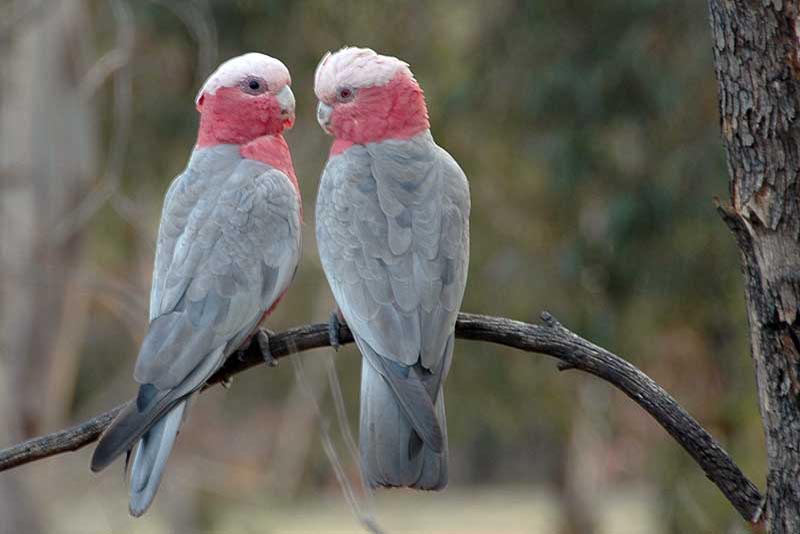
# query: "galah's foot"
227, 383
241, 354
334, 323
262, 336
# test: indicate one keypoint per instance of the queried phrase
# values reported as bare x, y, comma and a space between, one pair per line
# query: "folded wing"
228, 248
392, 231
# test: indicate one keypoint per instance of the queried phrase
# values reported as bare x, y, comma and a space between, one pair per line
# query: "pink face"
238, 108
357, 108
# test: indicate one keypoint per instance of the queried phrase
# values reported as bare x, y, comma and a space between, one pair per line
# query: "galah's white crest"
392, 224
228, 247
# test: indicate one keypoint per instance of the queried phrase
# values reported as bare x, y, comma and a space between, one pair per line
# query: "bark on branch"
552, 339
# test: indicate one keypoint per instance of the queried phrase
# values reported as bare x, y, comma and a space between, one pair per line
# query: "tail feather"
434, 464
138, 416
151, 457
153, 420
392, 453
126, 429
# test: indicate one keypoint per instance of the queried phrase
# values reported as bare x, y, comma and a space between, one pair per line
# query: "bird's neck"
408, 114
272, 150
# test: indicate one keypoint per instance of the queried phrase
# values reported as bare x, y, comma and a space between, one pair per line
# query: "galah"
228, 247
392, 225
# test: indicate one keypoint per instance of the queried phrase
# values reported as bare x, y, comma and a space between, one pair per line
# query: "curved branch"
551, 339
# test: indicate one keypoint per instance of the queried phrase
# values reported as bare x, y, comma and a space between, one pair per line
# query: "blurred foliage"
589, 132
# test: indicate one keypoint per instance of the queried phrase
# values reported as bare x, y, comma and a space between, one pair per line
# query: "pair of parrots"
392, 225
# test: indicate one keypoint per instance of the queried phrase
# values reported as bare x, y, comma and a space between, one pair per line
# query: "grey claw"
333, 331
227, 383
263, 343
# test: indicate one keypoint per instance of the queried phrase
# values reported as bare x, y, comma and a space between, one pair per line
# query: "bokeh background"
589, 133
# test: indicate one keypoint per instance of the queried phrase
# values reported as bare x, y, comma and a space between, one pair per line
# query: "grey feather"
392, 453
138, 416
410, 393
385, 453
393, 237
237, 252
434, 472
228, 247
150, 459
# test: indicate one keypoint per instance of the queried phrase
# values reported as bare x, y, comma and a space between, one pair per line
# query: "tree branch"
552, 339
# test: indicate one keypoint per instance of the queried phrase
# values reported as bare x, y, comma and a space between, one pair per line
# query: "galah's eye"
253, 85
345, 94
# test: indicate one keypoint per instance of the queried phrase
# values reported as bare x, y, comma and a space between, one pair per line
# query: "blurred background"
589, 133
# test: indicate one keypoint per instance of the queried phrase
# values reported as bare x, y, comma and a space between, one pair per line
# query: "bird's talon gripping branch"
333, 330
262, 336
241, 354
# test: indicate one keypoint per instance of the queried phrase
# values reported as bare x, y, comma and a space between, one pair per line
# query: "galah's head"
365, 97
245, 98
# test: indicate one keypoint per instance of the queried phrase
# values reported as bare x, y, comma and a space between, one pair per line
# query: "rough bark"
758, 68
552, 339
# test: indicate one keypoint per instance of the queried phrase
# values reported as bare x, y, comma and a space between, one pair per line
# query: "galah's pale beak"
285, 99
324, 112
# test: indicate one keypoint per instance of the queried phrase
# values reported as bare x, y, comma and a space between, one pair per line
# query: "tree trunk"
758, 69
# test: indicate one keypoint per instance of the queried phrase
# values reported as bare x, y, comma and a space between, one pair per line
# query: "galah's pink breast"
339, 146
273, 150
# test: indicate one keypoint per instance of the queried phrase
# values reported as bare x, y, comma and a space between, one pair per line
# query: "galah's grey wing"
234, 257
187, 199
392, 233
424, 195
229, 265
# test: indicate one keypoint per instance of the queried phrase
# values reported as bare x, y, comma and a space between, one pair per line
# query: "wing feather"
392, 232
393, 237
232, 255
228, 247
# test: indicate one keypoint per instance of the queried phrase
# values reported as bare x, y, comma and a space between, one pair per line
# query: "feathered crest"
356, 68
233, 71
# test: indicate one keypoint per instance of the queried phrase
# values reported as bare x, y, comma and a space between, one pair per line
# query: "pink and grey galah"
228, 247
392, 223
